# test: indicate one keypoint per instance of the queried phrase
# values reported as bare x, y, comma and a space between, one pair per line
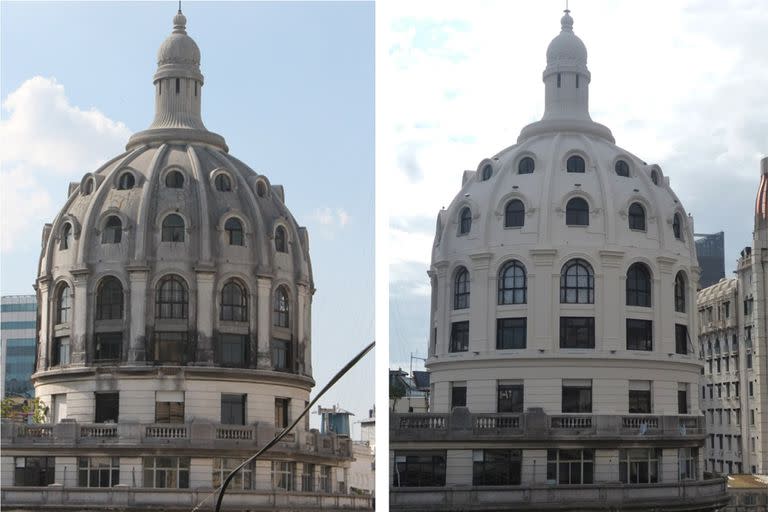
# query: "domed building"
561, 365
175, 293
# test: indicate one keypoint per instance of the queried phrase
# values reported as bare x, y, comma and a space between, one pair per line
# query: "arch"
109, 299
577, 212
677, 226
174, 179
63, 304
112, 232
281, 308
261, 188
126, 181
234, 302
655, 177
639, 285
281, 239
88, 185
461, 288
680, 291
513, 283
577, 282
514, 214
222, 182
636, 214
621, 167
171, 298
485, 170
234, 230
465, 220
67, 237
526, 165
575, 163
172, 228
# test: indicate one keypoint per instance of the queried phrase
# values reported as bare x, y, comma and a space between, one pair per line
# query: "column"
137, 338
43, 287
662, 301
304, 354
543, 315
264, 292
611, 300
79, 336
205, 311
443, 308
479, 316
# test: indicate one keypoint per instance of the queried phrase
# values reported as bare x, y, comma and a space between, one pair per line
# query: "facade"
749, 493
734, 344
362, 473
710, 252
174, 294
17, 344
563, 284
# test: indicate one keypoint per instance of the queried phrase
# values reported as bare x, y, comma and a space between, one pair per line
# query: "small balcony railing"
422, 421
165, 432
570, 422
98, 431
496, 422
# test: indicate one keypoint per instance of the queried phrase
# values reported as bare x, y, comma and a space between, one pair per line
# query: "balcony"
199, 436
536, 425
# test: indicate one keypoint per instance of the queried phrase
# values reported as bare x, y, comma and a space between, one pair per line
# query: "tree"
396, 392
33, 410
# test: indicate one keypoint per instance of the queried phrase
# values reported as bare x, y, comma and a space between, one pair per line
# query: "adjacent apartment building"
18, 316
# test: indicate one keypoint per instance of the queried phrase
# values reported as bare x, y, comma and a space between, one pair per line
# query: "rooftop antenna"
566, 6
566, 1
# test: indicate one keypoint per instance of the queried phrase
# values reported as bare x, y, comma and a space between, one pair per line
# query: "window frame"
465, 220
98, 467
459, 341
173, 303
524, 168
557, 462
574, 398
505, 468
176, 472
636, 217
582, 294
281, 308
639, 334
109, 299
516, 325
233, 227
638, 294
514, 218
576, 164
234, 302
577, 212
565, 339
512, 289
461, 289
175, 232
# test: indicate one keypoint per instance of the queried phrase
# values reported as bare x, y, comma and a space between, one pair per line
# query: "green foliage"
17, 409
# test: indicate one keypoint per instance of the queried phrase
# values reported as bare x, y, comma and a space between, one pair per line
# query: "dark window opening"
681, 339
174, 179
281, 242
512, 284
577, 283
173, 229
638, 286
34, 471
109, 299
282, 406
172, 299
577, 332
109, 346
514, 214
60, 351
637, 217
639, 334
282, 355
126, 181
459, 337
510, 398
559, 80
234, 229
496, 467
281, 308
680, 294
577, 398
461, 289
170, 347
178, 86
577, 212
169, 412
98, 471
234, 303
511, 333
222, 183
233, 350
233, 409
113, 231
575, 164
465, 221
570, 467
107, 407
458, 395
622, 168
419, 469
526, 166
487, 172
639, 401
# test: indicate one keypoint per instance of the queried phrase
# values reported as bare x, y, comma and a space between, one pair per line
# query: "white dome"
566, 48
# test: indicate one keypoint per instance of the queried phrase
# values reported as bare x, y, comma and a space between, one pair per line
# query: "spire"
180, 22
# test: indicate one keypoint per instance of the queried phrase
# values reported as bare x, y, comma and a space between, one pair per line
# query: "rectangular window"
166, 472
60, 351
169, 407
419, 469
749, 361
577, 396
577, 332
282, 407
243, 479
459, 337
59, 407
108, 346
511, 333
308, 478
496, 467
751, 417
283, 475
639, 397
233, 350
98, 471
639, 334
169, 347
570, 467
688, 463
281, 355
458, 394
682, 398
639, 465
510, 398
681, 339
727, 308
34, 471
233, 409
107, 407
324, 481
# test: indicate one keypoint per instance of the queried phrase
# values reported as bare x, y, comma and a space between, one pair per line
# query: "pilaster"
137, 338
264, 294
80, 317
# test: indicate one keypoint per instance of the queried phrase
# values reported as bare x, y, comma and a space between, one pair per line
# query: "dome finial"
566, 22
179, 22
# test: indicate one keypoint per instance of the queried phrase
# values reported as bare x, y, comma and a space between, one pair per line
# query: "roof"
421, 380
748, 482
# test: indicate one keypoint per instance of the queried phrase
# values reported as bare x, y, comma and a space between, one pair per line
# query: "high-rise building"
710, 251
561, 370
18, 314
733, 341
175, 294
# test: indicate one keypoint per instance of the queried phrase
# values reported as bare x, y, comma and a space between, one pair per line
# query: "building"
17, 344
174, 294
749, 493
408, 393
563, 283
710, 252
734, 344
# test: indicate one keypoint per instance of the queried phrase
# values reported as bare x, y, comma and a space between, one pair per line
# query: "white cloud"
23, 203
331, 217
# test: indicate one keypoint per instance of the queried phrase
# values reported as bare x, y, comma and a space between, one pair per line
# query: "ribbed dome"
566, 48
179, 48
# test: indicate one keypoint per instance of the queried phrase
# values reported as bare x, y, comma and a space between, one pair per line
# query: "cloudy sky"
290, 87
682, 84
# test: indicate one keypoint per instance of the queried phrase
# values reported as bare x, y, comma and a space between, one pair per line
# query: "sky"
683, 84
289, 85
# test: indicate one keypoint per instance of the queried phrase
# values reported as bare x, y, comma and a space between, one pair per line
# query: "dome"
566, 48
179, 48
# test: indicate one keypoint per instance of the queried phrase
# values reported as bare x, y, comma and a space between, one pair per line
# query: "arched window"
234, 229
281, 308
638, 286
222, 183
174, 179
281, 244
577, 283
63, 305
261, 189
487, 172
575, 164
680, 292
113, 231
677, 226
88, 187
172, 298
636, 217
173, 228
66, 237
465, 220
655, 177
126, 181
512, 283
577, 212
514, 214
461, 289
109, 299
234, 303
622, 168
526, 166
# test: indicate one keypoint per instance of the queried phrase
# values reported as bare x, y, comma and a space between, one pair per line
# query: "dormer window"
465, 220
126, 181
174, 179
622, 168
575, 164
526, 166
486, 173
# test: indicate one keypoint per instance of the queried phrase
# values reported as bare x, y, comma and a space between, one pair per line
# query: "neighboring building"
334, 420
733, 339
710, 252
749, 493
174, 292
563, 283
17, 349
408, 393
360, 475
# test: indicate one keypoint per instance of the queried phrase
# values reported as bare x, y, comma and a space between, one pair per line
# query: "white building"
18, 314
733, 341
175, 292
563, 284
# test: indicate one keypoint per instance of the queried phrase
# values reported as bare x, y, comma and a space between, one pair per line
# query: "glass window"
419, 469
98, 471
622, 168
281, 244
234, 229
577, 212
512, 284
577, 397
172, 298
113, 231
66, 237
170, 347
281, 308
282, 407
222, 183
681, 339
88, 187
514, 214
126, 181
109, 299
511, 333
509, 398
465, 221
233, 350
173, 228
639, 334
461, 289
486, 173
169, 412
283, 475
680, 293
526, 166
308, 478
34, 471
243, 479
575, 164
174, 179
570, 467
234, 303
655, 177
458, 395
63, 304
459, 337
677, 228
60, 351
682, 399
107, 407
638, 286
166, 472
496, 467
640, 398
637, 217
282, 358
639, 465
577, 283
233, 409
577, 332
109, 346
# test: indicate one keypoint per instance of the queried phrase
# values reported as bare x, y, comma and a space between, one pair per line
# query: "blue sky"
289, 85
